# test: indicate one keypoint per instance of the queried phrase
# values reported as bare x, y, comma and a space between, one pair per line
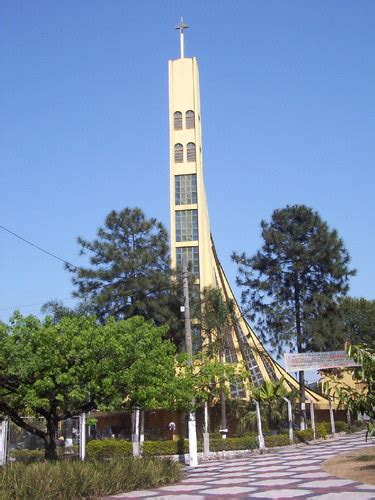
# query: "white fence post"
135, 432
3, 441
193, 446
206, 436
259, 425
82, 436
312, 416
290, 420
332, 418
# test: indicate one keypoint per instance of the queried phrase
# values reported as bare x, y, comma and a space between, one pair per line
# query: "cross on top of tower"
181, 26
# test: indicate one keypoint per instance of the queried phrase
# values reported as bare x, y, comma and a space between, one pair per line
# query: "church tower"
191, 239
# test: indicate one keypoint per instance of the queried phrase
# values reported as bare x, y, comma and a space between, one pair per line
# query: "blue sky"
287, 94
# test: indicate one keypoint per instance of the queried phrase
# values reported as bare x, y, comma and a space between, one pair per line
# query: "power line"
38, 247
31, 305
72, 267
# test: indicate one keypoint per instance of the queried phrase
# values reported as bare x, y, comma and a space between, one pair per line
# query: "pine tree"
129, 272
293, 283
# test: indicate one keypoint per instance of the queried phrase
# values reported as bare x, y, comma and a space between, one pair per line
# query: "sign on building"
305, 361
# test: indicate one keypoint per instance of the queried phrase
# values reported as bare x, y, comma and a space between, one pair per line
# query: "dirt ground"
357, 465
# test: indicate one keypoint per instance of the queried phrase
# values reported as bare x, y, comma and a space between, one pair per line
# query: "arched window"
177, 118
190, 119
190, 151
178, 153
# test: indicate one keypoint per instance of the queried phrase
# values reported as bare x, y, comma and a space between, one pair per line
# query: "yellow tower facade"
191, 239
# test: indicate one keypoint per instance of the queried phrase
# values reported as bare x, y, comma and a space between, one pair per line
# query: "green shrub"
341, 426
323, 429
306, 435
100, 449
232, 444
276, 440
154, 448
75, 479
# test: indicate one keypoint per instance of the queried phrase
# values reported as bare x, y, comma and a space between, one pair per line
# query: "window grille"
237, 390
255, 374
270, 369
178, 153
191, 254
190, 119
196, 338
191, 151
177, 119
186, 225
185, 189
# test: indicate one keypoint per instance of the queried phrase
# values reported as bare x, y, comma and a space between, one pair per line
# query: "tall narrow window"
178, 153
186, 189
186, 225
190, 119
190, 150
177, 119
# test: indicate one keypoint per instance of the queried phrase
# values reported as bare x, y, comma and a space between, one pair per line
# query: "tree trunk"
297, 306
303, 399
50, 440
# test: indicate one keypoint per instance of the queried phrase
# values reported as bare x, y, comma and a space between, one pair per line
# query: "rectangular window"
186, 189
186, 225
196, 338
191, 254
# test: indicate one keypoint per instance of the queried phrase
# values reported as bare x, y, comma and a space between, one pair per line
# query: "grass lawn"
357, 465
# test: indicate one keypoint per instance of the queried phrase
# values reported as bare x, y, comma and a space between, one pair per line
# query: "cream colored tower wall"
184, 96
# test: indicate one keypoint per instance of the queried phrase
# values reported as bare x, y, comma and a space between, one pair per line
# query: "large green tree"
56, 370
129, 269
293, 283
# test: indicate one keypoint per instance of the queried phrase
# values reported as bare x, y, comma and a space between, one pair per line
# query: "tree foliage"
59, 369
358, 398
129, 272
356, 321
216, 320
293, 283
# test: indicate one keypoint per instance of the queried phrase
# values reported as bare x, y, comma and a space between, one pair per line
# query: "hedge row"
111, 448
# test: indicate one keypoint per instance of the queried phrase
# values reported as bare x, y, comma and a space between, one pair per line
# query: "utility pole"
192, 427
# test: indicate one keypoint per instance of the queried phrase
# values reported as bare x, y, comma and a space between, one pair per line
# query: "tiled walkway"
286, 473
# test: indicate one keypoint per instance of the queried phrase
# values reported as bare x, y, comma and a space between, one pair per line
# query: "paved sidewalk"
286, 473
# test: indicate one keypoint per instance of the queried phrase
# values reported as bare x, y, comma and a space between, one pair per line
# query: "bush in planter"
154, 448
306, 435
323, 429
276, 440
232, 444
341, 426
101, 449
